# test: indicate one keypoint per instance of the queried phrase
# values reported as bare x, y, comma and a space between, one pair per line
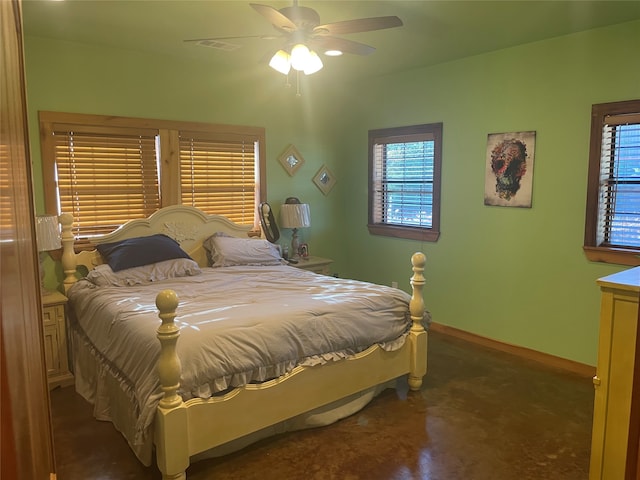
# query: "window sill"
618, 256
412, 233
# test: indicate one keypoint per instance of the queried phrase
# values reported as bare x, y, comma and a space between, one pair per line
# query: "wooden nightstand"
314, 264
55, 339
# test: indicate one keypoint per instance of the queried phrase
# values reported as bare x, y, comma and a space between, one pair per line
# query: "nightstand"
55, 339
314, 264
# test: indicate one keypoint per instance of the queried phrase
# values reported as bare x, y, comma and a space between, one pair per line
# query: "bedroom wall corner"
514, 274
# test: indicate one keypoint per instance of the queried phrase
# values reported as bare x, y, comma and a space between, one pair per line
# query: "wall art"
324, 180
291, 160
509, 169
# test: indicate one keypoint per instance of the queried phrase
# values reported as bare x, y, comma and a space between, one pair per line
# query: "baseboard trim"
523, 352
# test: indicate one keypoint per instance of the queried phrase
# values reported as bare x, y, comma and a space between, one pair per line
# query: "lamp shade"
47, 232
313, 63
300, 55
295, 215
281, 62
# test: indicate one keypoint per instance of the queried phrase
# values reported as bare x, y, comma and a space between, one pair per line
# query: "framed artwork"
509, 169
291, 160
324, 180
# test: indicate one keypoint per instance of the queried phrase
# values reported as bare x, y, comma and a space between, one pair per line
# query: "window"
404, 181
612, 224
105, 177
218, 174
107, 170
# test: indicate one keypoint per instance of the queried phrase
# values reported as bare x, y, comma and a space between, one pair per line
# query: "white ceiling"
433, 31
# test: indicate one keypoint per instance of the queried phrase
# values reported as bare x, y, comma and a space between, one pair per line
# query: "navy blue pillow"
139, 251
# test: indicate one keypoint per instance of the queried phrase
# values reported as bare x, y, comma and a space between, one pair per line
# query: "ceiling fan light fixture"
313, 63
296, 25
281, 62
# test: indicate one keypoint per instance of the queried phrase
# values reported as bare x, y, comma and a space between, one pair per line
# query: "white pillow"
103, 275
229, 251
211, 248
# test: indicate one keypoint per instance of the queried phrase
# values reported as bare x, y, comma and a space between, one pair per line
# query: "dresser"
55, 339
315, 264
614, 444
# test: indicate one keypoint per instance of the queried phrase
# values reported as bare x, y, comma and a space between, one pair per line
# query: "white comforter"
237, 325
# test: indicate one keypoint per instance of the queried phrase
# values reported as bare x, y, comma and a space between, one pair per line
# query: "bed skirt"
95, 382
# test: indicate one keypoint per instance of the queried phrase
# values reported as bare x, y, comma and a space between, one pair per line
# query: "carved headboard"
188, 226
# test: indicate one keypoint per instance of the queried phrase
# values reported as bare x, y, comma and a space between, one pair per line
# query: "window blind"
106, 170
403, 180
619, 192
106, 176
219, 174
6, 197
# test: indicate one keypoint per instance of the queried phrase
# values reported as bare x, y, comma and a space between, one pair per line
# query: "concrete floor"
481, 415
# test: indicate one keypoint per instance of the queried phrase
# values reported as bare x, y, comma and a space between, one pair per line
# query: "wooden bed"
182, 429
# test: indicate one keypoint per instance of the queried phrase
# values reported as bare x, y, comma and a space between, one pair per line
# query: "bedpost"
69, 261
169, 368
172, 455
416, 305
417, 334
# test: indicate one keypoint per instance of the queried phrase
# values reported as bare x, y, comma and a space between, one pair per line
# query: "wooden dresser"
614, 444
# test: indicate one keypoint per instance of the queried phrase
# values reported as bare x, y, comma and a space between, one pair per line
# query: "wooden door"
27, 440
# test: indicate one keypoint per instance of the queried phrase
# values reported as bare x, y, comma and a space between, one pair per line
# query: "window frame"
378, 136
597, 252
169, 158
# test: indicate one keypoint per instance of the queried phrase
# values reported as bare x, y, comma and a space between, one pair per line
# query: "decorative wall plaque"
324, 180
291, 160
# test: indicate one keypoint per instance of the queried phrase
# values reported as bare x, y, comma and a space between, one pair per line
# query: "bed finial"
169, 368
69, 261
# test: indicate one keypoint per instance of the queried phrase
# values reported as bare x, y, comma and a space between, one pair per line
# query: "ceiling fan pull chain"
297, 83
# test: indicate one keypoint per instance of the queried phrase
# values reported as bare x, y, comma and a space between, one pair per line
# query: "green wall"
515, 275
79, 78
512, 274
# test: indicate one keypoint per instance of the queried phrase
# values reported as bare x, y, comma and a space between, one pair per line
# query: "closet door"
27, 444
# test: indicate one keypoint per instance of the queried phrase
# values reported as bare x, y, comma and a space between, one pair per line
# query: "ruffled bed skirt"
112, 402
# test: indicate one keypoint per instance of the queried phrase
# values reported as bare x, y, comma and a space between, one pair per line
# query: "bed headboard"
187, 225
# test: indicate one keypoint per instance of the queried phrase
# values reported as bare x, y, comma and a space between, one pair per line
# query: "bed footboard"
173, 437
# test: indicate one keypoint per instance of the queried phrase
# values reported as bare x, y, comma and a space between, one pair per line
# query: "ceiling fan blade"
279, 21
346, 46
358, 25
262, 37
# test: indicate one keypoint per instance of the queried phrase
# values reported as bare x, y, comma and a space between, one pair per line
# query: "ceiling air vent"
219, 45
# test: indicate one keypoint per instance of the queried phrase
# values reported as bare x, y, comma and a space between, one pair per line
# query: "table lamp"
47, 238
294, 215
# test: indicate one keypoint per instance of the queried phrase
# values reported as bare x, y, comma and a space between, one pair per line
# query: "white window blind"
219, 174
619, 188
404, 181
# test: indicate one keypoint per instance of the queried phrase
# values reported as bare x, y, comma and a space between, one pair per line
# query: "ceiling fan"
303, 34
